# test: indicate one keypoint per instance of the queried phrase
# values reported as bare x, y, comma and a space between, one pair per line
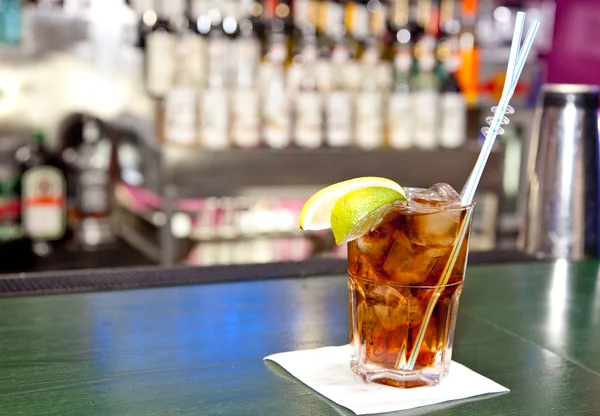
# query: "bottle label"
400, 120
425, 106
180, 117
403, 60
245, 123
339, 55
10, 205
43, 203
293, 79
160, 64
369, 120
276, 123
453, 123
93, 192
277, 52
193, 47
309, 120
339, 119
217, 53
248, 50
215, 119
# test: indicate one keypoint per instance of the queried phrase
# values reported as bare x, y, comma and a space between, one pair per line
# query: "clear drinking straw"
516, 62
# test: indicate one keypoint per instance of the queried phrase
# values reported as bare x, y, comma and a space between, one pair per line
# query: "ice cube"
411, 263
446, 193
435, 229
394, 309
440, 195
365, 270
376, 244
360, 265
403, 264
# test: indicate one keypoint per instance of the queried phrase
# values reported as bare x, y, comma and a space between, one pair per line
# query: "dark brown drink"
395, 275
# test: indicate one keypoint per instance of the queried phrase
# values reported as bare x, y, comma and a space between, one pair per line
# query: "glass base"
397, 378
388, 322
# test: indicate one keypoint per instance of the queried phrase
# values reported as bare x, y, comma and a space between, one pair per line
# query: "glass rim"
442, 209
394, 284
469, 205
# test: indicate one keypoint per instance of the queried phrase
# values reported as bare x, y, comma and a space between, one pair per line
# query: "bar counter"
197, 349
101, 276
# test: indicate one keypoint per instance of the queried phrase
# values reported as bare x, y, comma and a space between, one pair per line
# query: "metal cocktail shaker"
559, 193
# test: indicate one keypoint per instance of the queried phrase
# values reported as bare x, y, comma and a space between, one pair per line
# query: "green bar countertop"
198, 350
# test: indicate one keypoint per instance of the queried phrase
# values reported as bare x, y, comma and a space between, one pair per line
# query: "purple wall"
575, 55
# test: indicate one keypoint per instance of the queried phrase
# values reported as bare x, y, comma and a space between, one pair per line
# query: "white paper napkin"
327, 371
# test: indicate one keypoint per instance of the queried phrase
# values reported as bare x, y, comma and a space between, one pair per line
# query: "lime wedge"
360, 211
316, 213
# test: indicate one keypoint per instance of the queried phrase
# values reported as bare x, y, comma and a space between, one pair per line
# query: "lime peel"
316, 213
360, 211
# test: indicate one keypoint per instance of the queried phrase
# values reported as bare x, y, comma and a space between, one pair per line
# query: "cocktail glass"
403, 296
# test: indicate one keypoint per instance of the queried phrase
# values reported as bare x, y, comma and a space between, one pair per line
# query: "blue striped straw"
535, 25
514, 50
516, 62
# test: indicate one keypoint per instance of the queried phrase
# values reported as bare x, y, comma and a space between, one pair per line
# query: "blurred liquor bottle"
283, 22
301, 17
336, 24
43, 197
424, 85
10, 198
378, 12
453, 110
269, 9
400, 117
338, 104
260, 25
147, 20
317, 15
245, 117
231, 15
308, 125
177, 113
304, 20
214, 102
160, 46
369, 129
450, 18
192, 42
88, 156
357, 23
330, 19
276, 117
468, 72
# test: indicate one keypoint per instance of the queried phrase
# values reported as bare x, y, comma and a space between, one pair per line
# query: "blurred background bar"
192, 131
